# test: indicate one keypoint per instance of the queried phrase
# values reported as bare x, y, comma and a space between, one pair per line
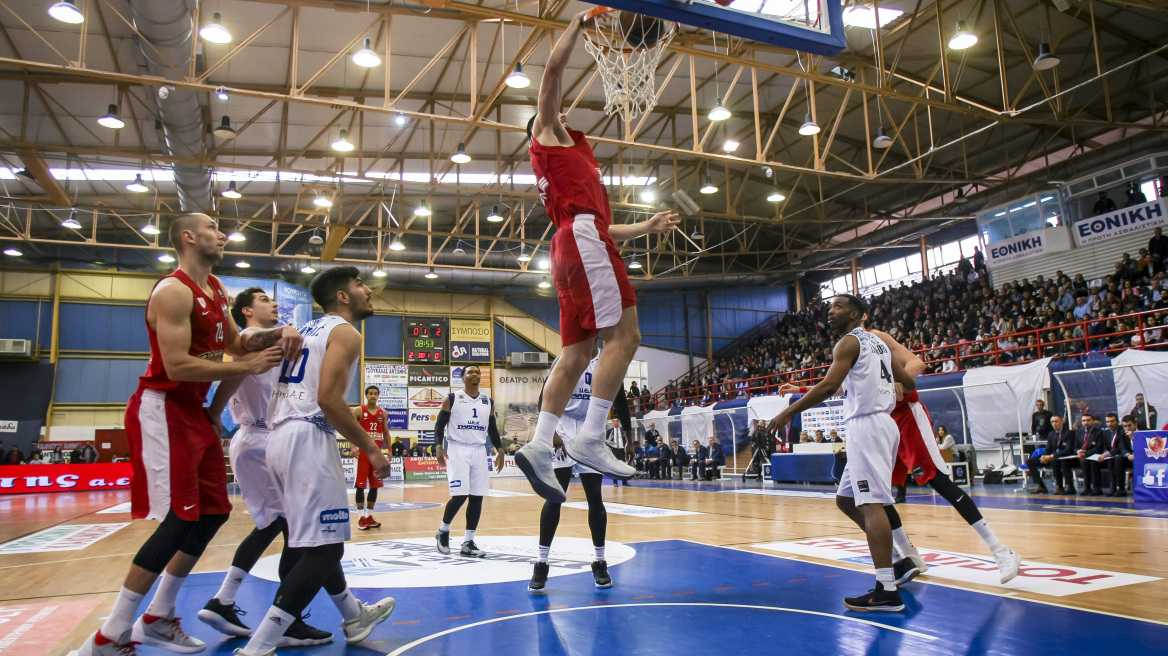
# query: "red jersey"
207, 317
569, 181
374, 423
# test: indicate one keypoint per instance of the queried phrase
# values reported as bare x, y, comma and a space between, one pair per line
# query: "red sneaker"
363, 523
373, 523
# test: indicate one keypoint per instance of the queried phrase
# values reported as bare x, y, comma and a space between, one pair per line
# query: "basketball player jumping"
307, 406
465, 422
253, 309
375, 421
591, 282
179, 474
549, 519
863, 366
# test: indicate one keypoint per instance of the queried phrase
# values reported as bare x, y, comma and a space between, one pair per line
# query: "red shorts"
366, 478
913, 454
590, 279
178, 462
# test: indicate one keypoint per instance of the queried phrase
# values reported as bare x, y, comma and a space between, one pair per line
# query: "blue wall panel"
96, 381
91, 327
546, 310
20, 319
507, 342
383, 337
664, 317
734, 312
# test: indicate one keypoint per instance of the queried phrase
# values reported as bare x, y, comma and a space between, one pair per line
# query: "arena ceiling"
969, 122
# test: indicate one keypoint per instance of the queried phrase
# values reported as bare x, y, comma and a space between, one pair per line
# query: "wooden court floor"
1112, 536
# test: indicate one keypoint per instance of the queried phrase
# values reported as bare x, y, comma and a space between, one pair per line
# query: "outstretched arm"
660, 223
548, 130
843, 359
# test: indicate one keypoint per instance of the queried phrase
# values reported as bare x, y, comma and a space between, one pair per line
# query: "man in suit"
88, 453
398, 449
1095, 441
1066, 443
697, 466
680, 459
1046, 458
664, 460
714, 459
1121, 457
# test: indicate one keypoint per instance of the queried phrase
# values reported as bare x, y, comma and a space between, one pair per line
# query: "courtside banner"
1150, 466
1121, 222
20, 479
424, 469
470, 340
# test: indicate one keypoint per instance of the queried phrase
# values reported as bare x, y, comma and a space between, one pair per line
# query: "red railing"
961, 354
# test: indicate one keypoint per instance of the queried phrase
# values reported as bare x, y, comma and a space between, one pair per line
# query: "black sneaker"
905, 570
443, 540
471, 550
538, 577
300, 634
877, 600
224, 618
600, 573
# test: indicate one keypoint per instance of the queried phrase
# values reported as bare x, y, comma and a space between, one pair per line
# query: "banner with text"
428, 387
456, 378
18, 479
1026, 246
470, 340
516, 394
392, 381
1121, 222
1150, 466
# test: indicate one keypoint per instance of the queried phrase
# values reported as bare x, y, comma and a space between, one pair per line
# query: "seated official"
805, 437
649, 463
944, 439
1095, 441
1065, 459
713, 460
1121, 457
680, 459
1058, 438
664, 460
697, 463
835, 437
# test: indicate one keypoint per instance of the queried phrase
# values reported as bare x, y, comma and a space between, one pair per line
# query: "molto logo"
335, 516
1123, 222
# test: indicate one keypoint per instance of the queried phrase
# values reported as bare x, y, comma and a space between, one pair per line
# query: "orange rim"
598, 11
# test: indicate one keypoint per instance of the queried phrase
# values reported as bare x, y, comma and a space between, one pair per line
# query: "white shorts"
568, 429
466, 469
249, 463
872, 442
305, 466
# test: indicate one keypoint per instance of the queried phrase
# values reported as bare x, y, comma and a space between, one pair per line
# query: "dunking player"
590, 278
918, 453
307, 405
179, 475
549, 519
375, 422
466, 421
863, 366
253, 309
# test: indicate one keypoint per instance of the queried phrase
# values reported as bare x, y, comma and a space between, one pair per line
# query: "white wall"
664, 366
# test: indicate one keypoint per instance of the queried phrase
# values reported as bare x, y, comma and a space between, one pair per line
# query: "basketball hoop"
627, 48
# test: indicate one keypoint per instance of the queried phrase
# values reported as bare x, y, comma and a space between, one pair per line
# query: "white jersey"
868, 387
577, 407
249, 404
469, 417
297, 389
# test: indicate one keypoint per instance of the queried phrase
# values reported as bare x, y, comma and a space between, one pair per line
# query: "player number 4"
884, 375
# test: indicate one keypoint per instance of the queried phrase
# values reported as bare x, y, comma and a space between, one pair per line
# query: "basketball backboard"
814, 26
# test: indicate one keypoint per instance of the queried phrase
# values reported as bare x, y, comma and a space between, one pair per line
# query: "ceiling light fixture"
460, 156
166, 258
963, 39
809, 126
365, 57
648, 196
543, 265
697, 235
111, 120
458, 249
315, 239
494, 216
214, 31
635, 264
379, 273
882, 139
221, 93
66, 11
343, 144
72, 223
400, 119
13, 251
322, 201
709, 187
544, 284
1046, 59
431, 275
137, 186
523, 255
719, 113
151, 228
243, 264
518, 79
224, 131
231, 192
236, 236
421, 209
730, 145
776, 196
307, 268
396, 245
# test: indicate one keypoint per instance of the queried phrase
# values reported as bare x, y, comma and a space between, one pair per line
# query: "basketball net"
629, 73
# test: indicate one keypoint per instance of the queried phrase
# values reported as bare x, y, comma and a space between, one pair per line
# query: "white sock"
544, 552
468, 536
987, 535
596, 418
885, 578
599, 555
231, 583
444, 527
269, 631
121, 618
348, 604
162, 605
902, 544
545, 428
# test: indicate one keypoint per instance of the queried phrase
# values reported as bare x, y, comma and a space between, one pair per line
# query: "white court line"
411, 645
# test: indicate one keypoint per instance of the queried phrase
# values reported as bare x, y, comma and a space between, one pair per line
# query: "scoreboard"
424, 340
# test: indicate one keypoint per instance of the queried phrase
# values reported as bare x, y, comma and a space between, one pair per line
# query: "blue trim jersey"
249, 404
868, 387
577, 407
469, 418
297, 389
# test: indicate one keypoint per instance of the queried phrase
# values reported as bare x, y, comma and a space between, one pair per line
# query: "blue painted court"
678, 597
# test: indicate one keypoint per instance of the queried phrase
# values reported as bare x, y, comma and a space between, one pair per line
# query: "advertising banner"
824, 418
424, 469
1026, 246
470, 340
19, 479
1121, 222
295, 304
428, 388
456, 378
1150, 466
392, 381
516, 395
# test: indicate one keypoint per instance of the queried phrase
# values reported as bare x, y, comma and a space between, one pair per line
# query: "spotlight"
379, 273
635, 264
12, 251
236, 236
151, 228
697, 235
494, 216
1046, 59
365, 57
523, 255
458, 250
397, 245
111, 120
66, 11
243, 264
137, 186
214, 31
221, 93
400, 120
315, 239
322, 201
730, 145
543, 265
776, 196
543, 283
72, 223
648, 196
166, 258
431, 275
518, 79
307, 268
